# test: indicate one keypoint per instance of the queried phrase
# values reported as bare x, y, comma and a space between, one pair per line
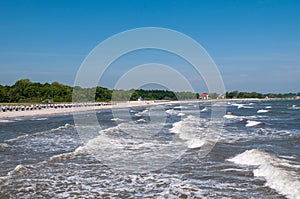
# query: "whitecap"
230, 116
243, 106
180, 114
239, 106
272, 168
204, 109
43, 118
171, 112
17, 169
62, 156
180, 107
251, 123
268, 107
190, 130
116, 119
294, 107
6, 121
21, 137
262, 111
145, 111
141, 120
4, 145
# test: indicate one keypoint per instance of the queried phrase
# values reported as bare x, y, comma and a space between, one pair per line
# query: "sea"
164, 151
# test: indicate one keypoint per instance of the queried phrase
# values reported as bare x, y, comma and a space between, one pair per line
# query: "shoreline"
130, 104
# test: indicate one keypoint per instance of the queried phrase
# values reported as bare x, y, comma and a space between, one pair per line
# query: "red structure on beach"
204, 96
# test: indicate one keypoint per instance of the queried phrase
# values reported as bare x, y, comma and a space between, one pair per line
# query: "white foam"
287, 156
39, 119
63, 156
138, 115
171, 112
204, 109
268, 107
116, 119
230, 116
43, 118
180, 114
17, 169
21, 137
294, 107
17, 138
243, 106
251, 123
141, 120
6, 121
180, 107
145, 111
195, 143
239, 106
273, 169
18, 119
4, 145
262, 111
188, 130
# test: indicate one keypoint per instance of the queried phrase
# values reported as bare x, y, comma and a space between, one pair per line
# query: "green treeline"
25, 91
237, 94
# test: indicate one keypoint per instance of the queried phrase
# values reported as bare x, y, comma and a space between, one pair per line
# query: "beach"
69, 108
76, 107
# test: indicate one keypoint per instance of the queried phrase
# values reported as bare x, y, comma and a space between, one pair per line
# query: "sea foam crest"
17, 169
273, 169
189, 130
294, 107
251, 123
22, 137
6, 121
262, 111
241, 106
171, 112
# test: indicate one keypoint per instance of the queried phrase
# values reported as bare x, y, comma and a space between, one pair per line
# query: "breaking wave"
279, 173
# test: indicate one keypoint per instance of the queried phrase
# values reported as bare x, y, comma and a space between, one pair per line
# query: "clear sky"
255, 43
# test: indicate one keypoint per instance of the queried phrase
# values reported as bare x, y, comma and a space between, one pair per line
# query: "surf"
273, 170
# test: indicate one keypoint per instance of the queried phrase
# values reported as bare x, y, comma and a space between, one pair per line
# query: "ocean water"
158, 152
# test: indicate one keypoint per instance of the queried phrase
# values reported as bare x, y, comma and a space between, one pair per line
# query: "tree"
233, 94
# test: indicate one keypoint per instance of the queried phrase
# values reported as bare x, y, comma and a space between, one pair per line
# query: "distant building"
140, 99
204, 96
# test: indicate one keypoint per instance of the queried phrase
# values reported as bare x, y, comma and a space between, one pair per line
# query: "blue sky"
255, 43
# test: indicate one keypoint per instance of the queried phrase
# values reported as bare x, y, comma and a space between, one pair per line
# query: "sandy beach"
74, 109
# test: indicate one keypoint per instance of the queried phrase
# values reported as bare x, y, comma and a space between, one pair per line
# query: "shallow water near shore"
255, 156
